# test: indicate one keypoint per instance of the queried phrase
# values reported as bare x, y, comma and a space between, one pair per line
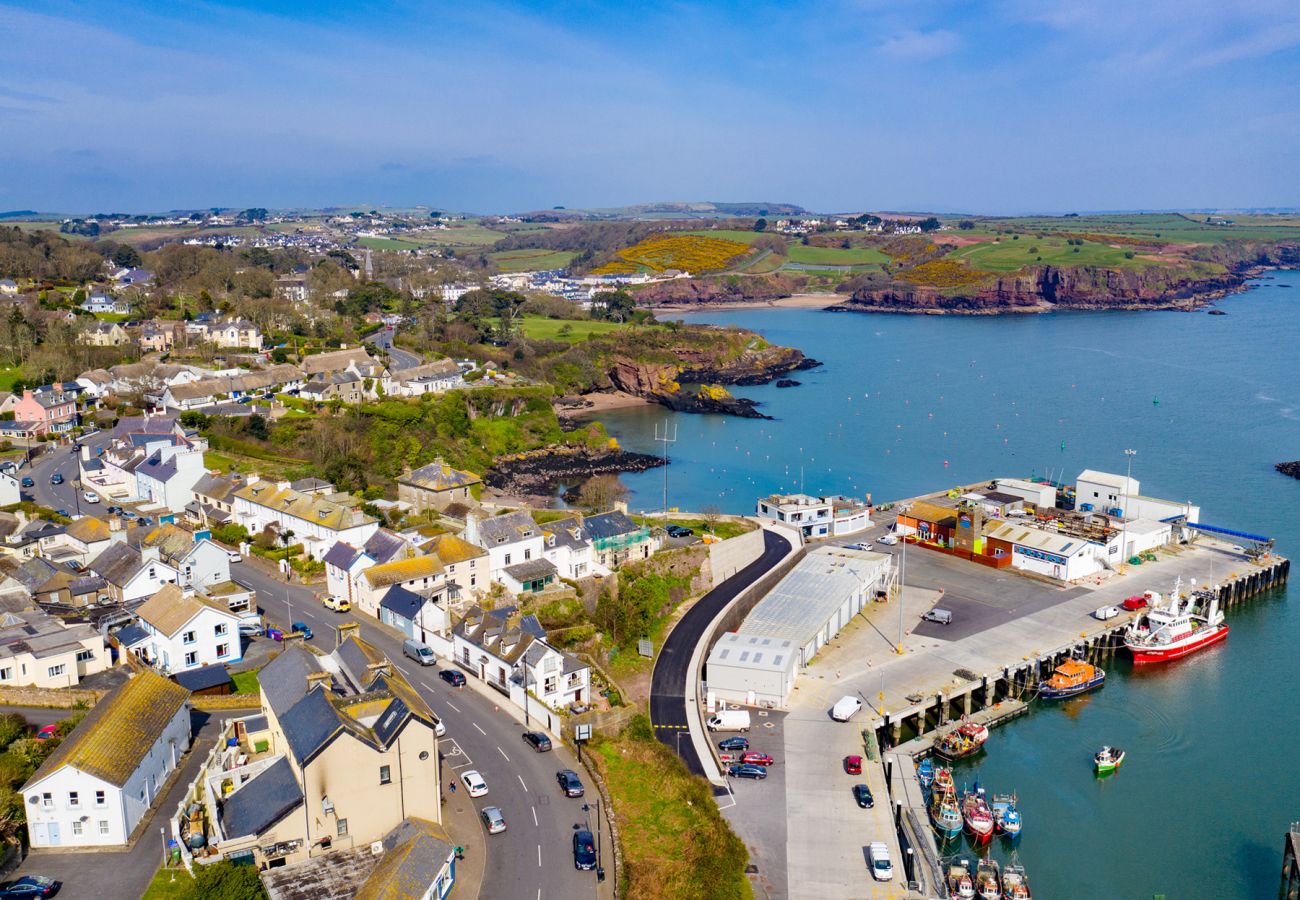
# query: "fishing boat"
977, 815
925, 773
974, 730
1015, 883
1006, 815
964, 740
1108, 759
1071, 678
988, 879
960, 883
945, 814
943, 780
1173, 631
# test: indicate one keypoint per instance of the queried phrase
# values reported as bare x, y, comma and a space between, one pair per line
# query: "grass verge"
168, 883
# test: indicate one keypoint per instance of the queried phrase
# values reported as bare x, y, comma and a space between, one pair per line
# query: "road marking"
453, 706
503, 753
429, 687
539, 856
535, 822
521, 784
480, 730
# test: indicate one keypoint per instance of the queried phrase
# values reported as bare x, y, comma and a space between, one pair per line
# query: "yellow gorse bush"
687, 252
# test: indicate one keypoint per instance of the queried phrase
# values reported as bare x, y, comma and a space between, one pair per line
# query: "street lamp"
1123, 535
902, 573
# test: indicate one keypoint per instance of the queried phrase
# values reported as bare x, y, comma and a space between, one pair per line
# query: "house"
344, 564
214, 497
102, 304
357, 358
422, 615
166, 477
9, 490
105, 334
157, 337
38, 650
348, 752
317, 521
198, 561
133, 277
292, 288
101, 780
418, 862
51, 412
568, 548
490, 643
509, 539
235, 334
8, 402
132, 574
8, 287
87, 537
616, 539
816, 517
558, 679
427, 378
467, 566
530, 577
183, 631
436, 486
417, 573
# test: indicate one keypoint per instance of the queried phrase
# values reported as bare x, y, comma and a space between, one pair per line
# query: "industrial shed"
753, 670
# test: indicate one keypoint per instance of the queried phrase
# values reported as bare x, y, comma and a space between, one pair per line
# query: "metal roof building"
753, 670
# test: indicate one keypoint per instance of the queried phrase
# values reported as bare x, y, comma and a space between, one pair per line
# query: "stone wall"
57, 698
728, 557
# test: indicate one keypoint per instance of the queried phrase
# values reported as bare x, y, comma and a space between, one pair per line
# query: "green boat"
1108, 759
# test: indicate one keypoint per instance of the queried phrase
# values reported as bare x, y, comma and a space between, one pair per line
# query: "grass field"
741, 237
761, 264
246, 682
540, 328
375, 243
1160, 226
1010, 255
8, 377
530, 260
836, 256
168, 883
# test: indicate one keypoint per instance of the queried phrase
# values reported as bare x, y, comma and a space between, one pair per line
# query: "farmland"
836, 256
687, 252
1008, 255
530, 260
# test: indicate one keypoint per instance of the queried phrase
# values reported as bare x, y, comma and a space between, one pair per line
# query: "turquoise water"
905, 405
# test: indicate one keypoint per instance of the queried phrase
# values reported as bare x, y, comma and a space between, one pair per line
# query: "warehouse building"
753, 670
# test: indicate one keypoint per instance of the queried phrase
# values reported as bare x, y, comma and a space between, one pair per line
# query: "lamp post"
1123, 534
902, 574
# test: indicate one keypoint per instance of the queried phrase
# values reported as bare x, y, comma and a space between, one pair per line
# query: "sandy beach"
599, 402
795, 301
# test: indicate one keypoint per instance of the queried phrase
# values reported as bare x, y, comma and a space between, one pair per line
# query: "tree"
711, 514
760, 225
616, 306
965, 224
930, 224
599, 493
126, 257
257, 428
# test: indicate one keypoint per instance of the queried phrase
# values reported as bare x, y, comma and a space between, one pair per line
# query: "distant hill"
19, 214
706, 209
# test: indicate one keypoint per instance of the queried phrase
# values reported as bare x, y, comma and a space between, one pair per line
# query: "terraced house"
99, 783
317, 521
48, 412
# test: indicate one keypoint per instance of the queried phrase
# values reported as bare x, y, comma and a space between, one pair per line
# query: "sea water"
909, 404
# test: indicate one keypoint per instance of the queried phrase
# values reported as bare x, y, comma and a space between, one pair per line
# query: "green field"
384, 243
740, 237
761, 264
1171, 227
8, 377
836, 256
530, 260
1010, 255
540, 328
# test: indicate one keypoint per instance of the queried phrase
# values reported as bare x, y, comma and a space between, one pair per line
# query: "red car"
756, 759
49, 731
1135, 602
853, 765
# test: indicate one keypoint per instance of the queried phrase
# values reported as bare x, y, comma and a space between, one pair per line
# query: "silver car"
492, 818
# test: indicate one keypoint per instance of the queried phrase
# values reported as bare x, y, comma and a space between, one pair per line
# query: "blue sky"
999, 107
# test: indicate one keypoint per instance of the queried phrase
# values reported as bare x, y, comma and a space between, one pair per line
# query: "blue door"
54, 834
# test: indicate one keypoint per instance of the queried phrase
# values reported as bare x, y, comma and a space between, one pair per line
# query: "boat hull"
1047, 692
1145, 655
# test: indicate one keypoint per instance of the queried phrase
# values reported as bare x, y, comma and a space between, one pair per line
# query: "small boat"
945, 814
960, 882
976, 814
925, 773
1071, 678
1015, 883
1108, 759
988, 879
1006, 815
943, 780
974, 730
965, 740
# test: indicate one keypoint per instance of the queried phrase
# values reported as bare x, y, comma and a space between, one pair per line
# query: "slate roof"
309, 725
384, 546
218, 487
158, 468
531, 570
202, 678
402, 602
130, 635
169, 610
256, 806
561, 533
110, 742
342, 555
507, 529
35, 572
608, 525
414, 853
438, 476
117, 564
284, 679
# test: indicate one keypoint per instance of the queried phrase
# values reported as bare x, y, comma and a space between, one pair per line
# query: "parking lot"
757, 809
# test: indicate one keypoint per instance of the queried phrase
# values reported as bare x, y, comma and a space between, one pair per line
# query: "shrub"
12, 727
231, 533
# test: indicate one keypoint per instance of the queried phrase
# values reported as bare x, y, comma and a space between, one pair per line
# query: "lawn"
246, 682
8, 377
1010, 255
540, 328
836, 256
724, 529
375, 243
168, 883
530, 260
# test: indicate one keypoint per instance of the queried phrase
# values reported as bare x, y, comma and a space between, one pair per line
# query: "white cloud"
918, 46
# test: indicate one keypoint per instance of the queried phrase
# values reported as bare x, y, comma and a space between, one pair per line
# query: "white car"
1105, 612
438, 728
881, 867
233, 556
888, 540
90, 496
474, 783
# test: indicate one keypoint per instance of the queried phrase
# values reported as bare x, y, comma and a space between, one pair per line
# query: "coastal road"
62, 460
533, 858
400, 359
671, 678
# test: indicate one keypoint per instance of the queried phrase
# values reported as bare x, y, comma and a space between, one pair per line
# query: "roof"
451, 549
117, 564
218, 487
341, 555
258, 804
40, 634
441, 368
565, 533
384, 546
802, 602
113, 738
414, 853
438, 476
334, 512
334, 360
88, 530
1116, 481
284, 679
930, 512
202, 678
752, 651
1037, 539
608, 525
531, 570
169, 610
508, 529
130, 635
172, 541
401, 570
503, 632
403, 602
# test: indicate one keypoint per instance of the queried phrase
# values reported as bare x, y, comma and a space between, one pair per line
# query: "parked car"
252, 628
747, 771
569, 782
90, 496
452, 677
30, 886
939, 616
418, 651
1105, 612
234, 556
538, 741
301, 628
62, 512
113, 510
882, 869
474, 783
853, 765
143, 520
56, 478
49, 731
888, 540
734, 743
584, 850
679, 531
756, 759
857, 546
438, 728
337, 604
28, 482
492, 818
862, 794
1136, 602
275, 634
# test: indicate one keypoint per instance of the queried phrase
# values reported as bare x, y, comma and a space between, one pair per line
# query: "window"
6, 673
385, 775
343, 827
103, 826
76, 827
223, 649
188, 637
221, 629
528, 554
47, 801
74, 800
55, 671
473, 580
507, 559
100, 800
85, 655
191, 658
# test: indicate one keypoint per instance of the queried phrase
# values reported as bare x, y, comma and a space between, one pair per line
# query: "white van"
941, 616
882, 869
845, 708
729, 720
419, 651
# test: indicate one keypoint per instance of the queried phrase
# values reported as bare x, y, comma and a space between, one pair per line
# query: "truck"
729, 720
845, 708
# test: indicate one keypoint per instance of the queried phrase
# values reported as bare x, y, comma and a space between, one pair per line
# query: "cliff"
723, 289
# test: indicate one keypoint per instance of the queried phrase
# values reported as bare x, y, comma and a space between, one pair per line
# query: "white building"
1042, 496
1048, 553
1103, 492
199, 563
509, 539
168, 475
752, 670
182, 632
38, 650
133, 574
568, 548
100, 781
9, 492
816, 517
553, 677
318, 520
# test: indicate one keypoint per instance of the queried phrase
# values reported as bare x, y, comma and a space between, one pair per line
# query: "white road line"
524, 786
453, 706
535, 822
503, 753
428, 686
480, 730
539, 856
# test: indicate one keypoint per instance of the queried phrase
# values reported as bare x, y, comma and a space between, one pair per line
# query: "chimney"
347, 630
292, 639
375, 669
315, 678
620, 506
471, 527
150, 554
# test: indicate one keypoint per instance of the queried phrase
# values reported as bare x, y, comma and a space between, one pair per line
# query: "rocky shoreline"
540, 472
1289, 468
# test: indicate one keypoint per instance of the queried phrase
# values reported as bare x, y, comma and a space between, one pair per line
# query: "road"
62, 460
533, 858
400, 359
668, 687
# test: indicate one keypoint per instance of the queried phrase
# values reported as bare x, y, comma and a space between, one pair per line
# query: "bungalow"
183, 631
38, 650
133, 277
436, 486
104, 305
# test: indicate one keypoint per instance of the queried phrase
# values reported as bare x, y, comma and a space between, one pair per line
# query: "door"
54, 834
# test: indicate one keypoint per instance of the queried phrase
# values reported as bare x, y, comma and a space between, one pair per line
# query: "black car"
569, 782
56, 478
538, 741
862, 794
733, 744
113, 510
62, 512
452, 677
30, 886
584, 850
747, 771
679, 531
